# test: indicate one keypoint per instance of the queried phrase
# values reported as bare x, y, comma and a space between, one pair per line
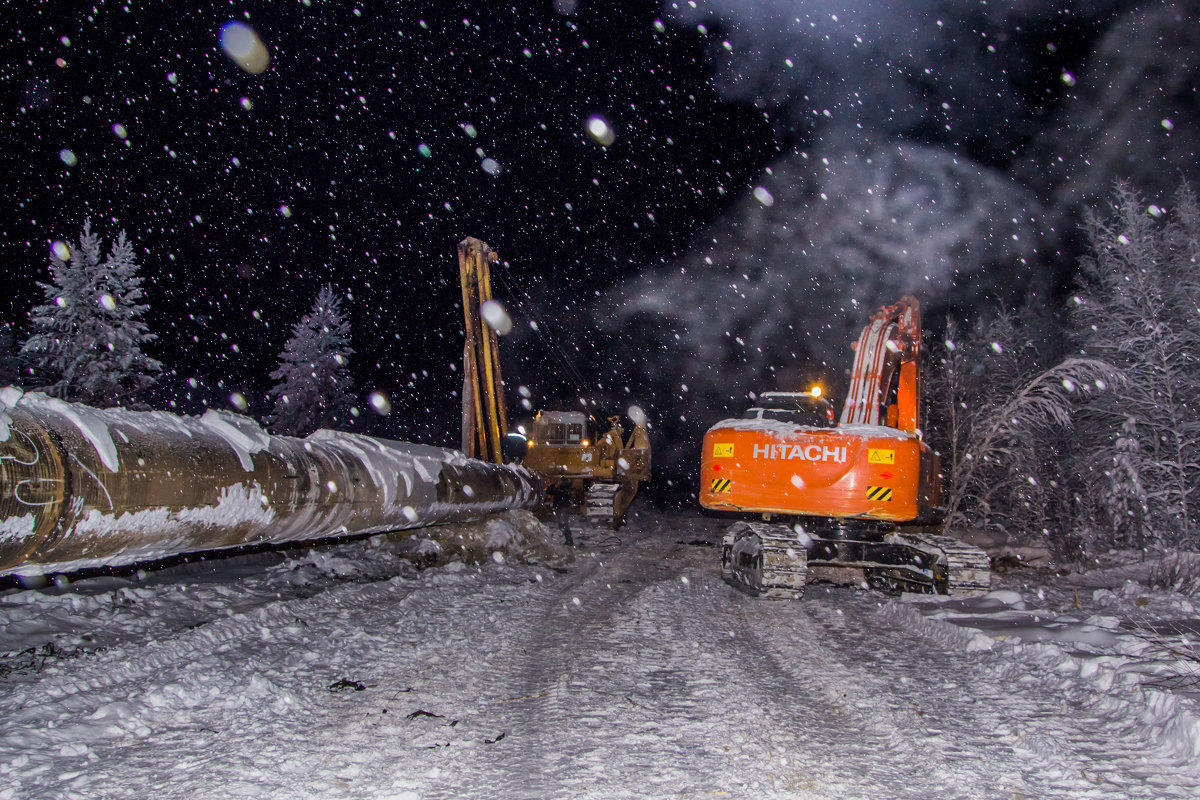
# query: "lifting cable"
525, 305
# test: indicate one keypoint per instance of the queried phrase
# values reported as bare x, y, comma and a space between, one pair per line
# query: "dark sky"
371, 125
381, 134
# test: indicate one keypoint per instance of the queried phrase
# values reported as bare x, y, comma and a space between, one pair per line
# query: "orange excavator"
856, 502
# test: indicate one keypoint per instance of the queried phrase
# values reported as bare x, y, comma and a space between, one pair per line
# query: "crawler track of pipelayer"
601, 503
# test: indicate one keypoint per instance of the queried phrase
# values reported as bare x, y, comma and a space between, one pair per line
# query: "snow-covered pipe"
83, 487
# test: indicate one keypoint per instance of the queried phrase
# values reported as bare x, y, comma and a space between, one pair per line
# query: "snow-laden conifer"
313, 377
86, 340
1138, 310
1002, 414
9, 369
1123, 495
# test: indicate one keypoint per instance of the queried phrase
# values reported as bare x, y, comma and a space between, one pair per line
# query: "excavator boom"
893, 338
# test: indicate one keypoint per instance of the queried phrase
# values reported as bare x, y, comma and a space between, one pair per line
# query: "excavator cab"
800, 408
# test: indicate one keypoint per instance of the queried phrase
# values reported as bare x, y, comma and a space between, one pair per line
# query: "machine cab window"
560, 429
798, 408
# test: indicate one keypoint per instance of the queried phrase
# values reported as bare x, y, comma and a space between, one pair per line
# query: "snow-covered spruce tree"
313, 389
998, 415
1137, 309
86, 341
9, 366
1124, 502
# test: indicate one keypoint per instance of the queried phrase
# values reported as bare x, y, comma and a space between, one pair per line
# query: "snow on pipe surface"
84, 487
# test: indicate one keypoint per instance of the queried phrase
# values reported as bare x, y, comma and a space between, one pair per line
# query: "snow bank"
9, 396
516, 535
1099, 660
1004, 547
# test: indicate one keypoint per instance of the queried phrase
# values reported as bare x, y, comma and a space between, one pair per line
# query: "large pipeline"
82, 487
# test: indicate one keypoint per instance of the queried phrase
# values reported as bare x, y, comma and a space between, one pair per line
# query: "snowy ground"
347, 673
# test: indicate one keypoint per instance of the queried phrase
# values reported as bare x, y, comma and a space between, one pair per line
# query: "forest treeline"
1082, 424
87, 342
1079, 424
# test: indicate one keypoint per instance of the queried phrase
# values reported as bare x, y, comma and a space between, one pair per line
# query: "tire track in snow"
856, 731
602, 691
223, 704
642, 690
661, 682
552, 690
652, 680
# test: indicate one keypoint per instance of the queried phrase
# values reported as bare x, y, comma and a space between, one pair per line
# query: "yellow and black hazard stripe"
881, 494
722, 486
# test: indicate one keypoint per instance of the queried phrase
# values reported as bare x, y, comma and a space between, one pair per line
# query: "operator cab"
560, 429
798, 408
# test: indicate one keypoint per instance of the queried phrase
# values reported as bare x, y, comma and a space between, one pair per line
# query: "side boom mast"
483, 389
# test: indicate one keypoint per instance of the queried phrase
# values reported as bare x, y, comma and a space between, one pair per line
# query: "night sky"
892, 140
358, 157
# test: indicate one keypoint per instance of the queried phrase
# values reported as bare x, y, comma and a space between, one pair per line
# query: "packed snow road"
636, 672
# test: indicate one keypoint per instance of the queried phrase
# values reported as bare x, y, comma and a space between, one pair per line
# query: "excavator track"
769, 560
968, 570
601, 504
766, 560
